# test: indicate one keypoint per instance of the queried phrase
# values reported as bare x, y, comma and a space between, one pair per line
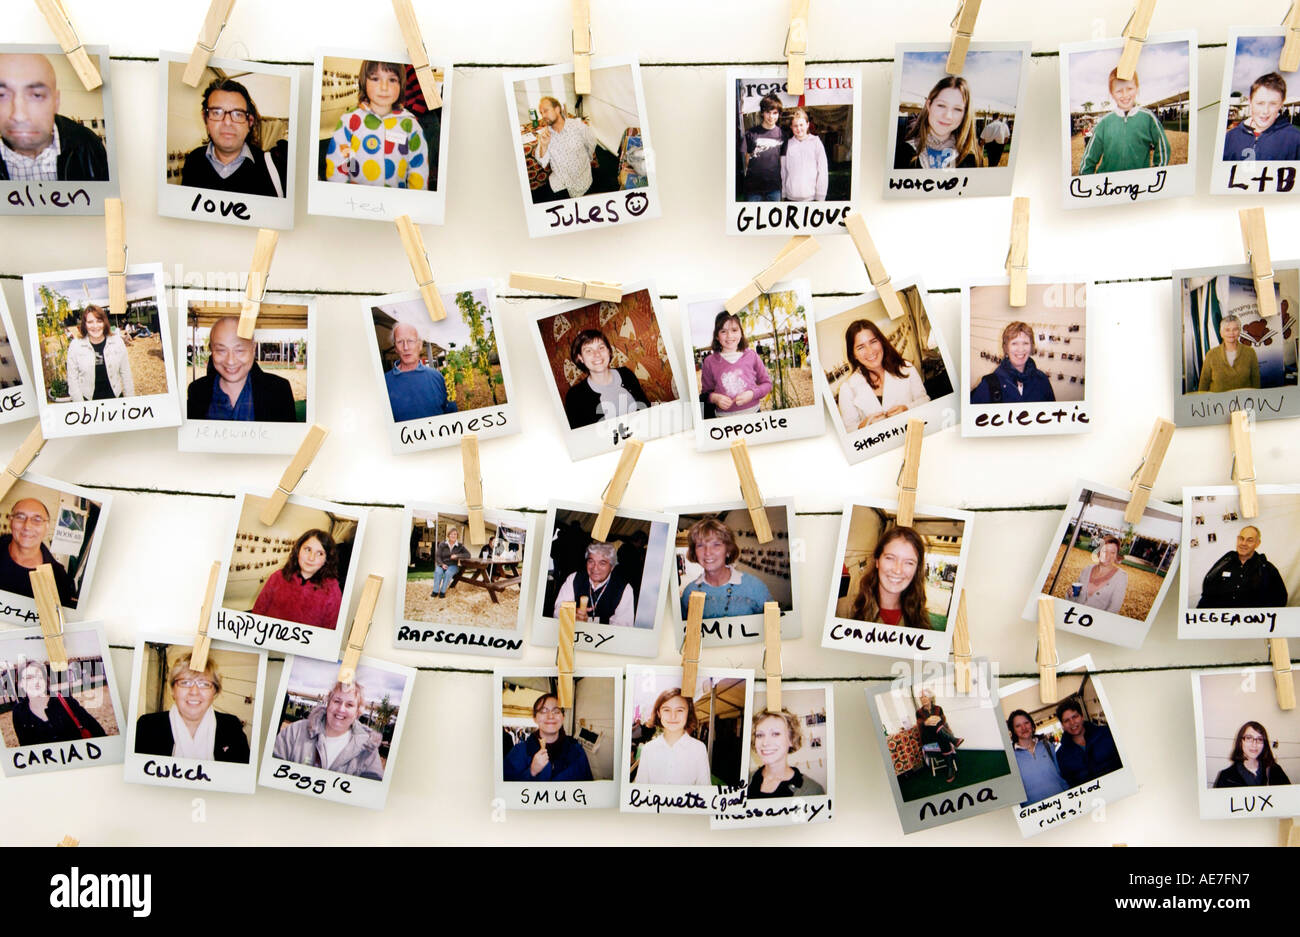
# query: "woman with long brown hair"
882, 384
97, 366
306, 589
942, 135
1253, 764
892, 588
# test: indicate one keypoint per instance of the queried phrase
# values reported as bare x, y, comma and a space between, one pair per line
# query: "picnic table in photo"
480, 573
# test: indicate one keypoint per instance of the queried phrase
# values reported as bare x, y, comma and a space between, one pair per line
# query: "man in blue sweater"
415, 390
1262, 136
1087, 749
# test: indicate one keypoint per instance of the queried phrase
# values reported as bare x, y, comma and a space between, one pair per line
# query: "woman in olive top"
1231, 365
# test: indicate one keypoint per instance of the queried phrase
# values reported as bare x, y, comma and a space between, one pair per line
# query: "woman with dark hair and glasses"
548, 754
605, 392
1253, 764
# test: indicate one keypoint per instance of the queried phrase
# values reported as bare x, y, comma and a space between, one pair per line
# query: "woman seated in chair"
934, 731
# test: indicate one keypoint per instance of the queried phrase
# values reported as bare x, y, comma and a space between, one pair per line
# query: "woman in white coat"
882, 383
97, 366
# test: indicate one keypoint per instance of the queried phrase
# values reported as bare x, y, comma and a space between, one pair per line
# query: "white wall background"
168, 524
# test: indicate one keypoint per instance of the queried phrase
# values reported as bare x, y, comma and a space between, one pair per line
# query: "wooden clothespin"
115, 241
691, 643
1289, 833
961, 647
582, 46
473, 487
1290, 59
418, 257
564, 652
1047, 659
57, 16
749, 491
876, 272
410, 27
796, 46
613, 493
69, 841
213, 25
567, 286
202, 643
771, 653
46, 595
22, 459
798, 249
1254, 237
1144, 476
293, 474
258, 273
360, 628
1018, 252
963, 26
909, 471
1135, 34
1243, 464
1280, 655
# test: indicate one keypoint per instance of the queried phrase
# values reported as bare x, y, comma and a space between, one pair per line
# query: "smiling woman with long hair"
882, 384
892, 588
306, 589
942, 135
97, 365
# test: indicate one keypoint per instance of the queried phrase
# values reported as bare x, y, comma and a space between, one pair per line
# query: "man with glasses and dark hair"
415, 390
232, 159
23, 549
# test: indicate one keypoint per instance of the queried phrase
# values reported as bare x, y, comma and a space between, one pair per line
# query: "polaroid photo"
585, 162
1217, 317
1066, 753
1128, 141
229, 147
550, 757
334, 740
623, 580
245, 395
59, 720
381, 151
1107, 576
897, 586
1241, 578
1245, 746
717, 553
793, 748
1256, 142
611, 369
791, 166
62, 160
876, 373
194, 728
1026, 366
684, 754
440, 380
752, 373
288, 587
947, 755
73, 328
47, 521
461, 596
17, 402
954, 136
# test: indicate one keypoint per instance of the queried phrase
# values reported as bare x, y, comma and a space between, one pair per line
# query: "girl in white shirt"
882, 384
674, 756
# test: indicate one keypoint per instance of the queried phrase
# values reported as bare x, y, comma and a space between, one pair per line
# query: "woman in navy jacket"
1017, 379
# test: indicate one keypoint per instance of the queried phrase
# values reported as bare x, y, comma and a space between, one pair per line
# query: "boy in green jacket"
1127, 138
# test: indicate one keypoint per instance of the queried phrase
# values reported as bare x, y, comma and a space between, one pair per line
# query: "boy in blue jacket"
1262, 136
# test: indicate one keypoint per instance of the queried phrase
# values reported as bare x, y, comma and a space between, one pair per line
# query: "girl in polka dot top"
380, 142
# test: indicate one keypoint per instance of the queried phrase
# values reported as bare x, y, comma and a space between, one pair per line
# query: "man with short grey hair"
609, 597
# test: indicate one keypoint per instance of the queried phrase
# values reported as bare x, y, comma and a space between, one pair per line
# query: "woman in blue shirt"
1035, 759
728, 592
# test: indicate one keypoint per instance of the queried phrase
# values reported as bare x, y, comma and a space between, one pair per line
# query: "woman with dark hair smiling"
605, 392
892, 588
547, 754
1253, 764
882, 383
306, 589
1035, 759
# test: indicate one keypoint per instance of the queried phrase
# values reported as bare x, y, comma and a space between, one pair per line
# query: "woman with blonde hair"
942, 135
191, 728
777, 736
1103, 584
1016, 379
727, 591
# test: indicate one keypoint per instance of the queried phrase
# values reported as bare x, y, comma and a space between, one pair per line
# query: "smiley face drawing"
636, 203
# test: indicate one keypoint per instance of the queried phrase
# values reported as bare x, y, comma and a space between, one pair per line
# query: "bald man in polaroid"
23, 549
415, 390
1243, 578
36, 142
235, 388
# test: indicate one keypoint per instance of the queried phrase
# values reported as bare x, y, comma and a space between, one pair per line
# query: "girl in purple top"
733, 378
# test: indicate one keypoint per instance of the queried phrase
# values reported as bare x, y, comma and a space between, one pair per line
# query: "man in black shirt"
1244, 578
763, 146
23, 549
233, 159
